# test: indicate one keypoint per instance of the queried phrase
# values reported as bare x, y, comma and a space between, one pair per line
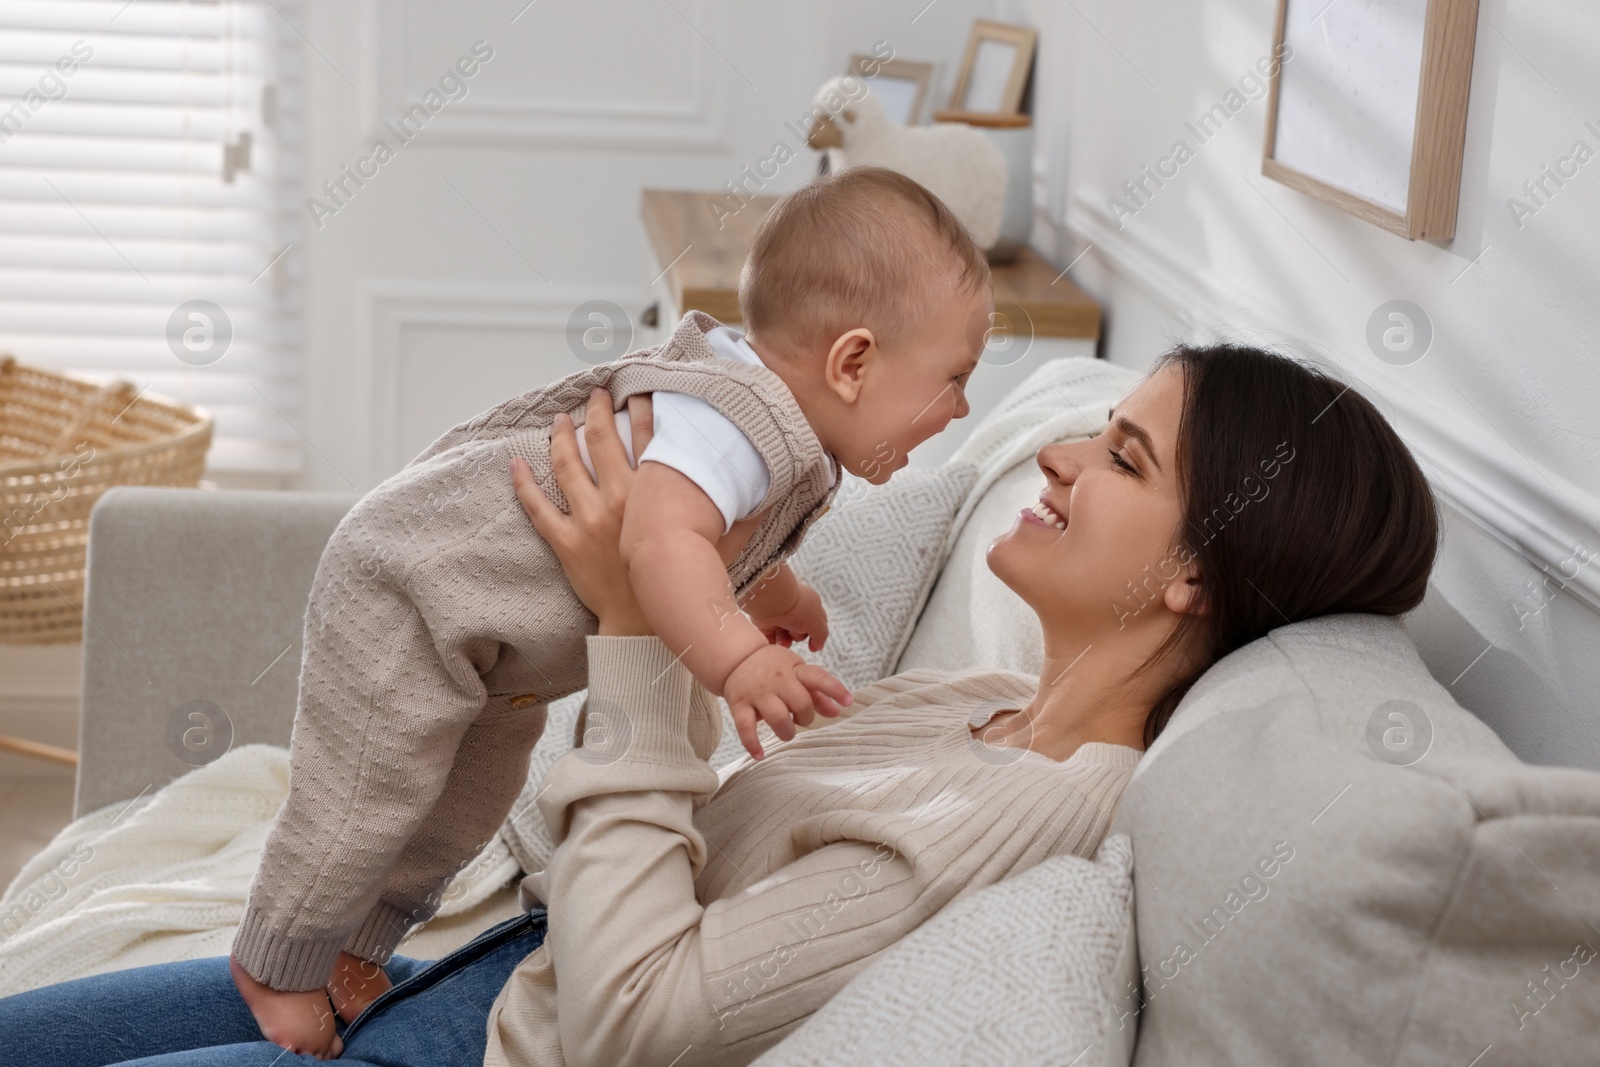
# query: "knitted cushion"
873, 557
1018, 973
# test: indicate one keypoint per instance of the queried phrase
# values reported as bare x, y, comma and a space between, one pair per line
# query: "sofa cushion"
1338, 863
205, 590
873, 558
1016, 973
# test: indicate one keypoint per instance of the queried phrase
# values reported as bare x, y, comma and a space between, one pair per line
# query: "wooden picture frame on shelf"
901, 85
1328, 140
995, 68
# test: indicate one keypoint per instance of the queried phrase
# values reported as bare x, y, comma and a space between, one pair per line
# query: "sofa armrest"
194, 607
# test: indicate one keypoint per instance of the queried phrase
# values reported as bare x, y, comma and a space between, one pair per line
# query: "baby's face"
916, 387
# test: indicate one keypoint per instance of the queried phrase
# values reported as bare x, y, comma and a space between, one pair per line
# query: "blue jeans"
188, 1014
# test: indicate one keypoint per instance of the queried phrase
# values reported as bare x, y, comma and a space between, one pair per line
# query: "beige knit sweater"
707, 922
439, 628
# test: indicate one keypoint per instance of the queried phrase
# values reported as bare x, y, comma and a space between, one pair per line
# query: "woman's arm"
644, 972
640, 962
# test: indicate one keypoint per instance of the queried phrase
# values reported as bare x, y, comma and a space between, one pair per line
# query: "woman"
698, 921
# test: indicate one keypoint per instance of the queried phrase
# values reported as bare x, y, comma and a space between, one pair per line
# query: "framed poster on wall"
1370, 111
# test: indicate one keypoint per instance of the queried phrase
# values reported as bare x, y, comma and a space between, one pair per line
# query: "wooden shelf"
23, 747
993, 119
701, 260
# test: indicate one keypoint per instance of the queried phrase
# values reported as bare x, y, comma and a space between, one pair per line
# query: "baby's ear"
847, 360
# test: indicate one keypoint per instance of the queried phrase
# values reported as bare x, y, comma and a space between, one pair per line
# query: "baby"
440, 626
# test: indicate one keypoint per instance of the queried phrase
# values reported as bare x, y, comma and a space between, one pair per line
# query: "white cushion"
1017, 973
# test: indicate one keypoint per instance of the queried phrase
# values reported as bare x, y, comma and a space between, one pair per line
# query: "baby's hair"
864, 246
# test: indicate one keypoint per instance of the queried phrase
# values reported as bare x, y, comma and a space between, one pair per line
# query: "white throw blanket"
164, 877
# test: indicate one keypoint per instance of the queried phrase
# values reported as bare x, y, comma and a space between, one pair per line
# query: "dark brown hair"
863, 246
1299, 500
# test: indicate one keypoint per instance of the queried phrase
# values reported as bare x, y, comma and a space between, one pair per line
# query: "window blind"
149, 173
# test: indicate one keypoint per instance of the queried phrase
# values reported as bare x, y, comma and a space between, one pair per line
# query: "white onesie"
698, 441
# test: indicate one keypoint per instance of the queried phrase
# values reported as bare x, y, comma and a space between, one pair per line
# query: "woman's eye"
1119, 461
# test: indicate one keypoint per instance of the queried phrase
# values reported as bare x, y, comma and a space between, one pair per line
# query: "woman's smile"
1043, 514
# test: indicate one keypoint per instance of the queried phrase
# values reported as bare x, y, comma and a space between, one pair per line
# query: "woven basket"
63, 442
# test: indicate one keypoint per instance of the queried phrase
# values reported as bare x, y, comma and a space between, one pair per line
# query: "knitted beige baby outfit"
440, 627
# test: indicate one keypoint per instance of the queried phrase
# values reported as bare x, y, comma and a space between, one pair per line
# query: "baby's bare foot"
356, 983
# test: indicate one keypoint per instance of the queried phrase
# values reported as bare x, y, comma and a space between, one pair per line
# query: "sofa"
1323, 860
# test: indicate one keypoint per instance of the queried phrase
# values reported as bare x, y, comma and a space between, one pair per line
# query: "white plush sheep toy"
956, 163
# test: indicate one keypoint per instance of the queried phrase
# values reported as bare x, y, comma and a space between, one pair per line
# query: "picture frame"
1368, 108
901, 85
994, 69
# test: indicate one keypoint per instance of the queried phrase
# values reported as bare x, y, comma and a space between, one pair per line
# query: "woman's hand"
587, 540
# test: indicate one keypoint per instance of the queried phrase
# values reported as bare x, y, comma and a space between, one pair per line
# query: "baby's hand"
301, 1022
775, 684
805, 618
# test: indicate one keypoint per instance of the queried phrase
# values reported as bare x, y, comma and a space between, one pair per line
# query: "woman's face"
1118, 496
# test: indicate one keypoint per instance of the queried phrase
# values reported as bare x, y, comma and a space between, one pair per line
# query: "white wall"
1502, 411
